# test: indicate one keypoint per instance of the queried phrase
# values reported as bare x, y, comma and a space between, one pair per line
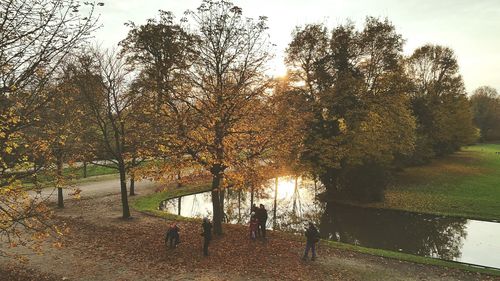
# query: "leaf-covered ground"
100, 246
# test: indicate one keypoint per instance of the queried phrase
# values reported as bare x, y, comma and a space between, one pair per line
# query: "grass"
410, 258
465, 184
149, 203
94, 173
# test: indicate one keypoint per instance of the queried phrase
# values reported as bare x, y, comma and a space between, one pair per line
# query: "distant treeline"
485, 103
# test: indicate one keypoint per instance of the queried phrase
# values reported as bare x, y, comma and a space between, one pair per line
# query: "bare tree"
104, 84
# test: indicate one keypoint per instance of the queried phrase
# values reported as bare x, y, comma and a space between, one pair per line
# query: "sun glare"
278, 69
286, 186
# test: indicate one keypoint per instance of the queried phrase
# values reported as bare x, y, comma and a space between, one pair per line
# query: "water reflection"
291, 202
418, 234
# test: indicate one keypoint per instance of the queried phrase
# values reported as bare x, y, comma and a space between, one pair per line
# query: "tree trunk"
84, 169
216, 204
132, 185
239, 206
60, 198
35, 177
295, 190
251, 199
222, 194
275, 201
179, 185
123, 188
179, 206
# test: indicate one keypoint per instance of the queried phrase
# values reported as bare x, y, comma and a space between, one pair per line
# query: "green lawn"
149, 203
465, 184
72, 173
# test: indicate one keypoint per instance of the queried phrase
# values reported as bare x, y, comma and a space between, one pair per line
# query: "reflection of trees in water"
423, 235
291, 212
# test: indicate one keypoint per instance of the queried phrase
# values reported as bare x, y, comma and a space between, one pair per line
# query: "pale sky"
470, 27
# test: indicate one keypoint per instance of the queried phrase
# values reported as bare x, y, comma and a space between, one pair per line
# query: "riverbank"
149, 204
100, 246
465, 184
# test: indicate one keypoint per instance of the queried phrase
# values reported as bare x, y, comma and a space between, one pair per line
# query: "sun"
277, 69
286, 187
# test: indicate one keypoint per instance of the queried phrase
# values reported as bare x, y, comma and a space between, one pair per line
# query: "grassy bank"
465, 184
410, 258
149, 203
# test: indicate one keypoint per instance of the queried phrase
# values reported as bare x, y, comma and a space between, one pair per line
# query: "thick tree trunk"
132, 185
60, 198
222, 194
84, 169
216, 204
217, 219
123, 188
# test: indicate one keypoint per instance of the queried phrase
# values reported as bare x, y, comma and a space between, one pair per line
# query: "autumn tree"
355, 90
208, 78
35, 36
439, 103
485, 103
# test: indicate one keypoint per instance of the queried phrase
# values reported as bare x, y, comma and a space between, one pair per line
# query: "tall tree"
213, 89
355, 89
485, 103
439, 103
103, 80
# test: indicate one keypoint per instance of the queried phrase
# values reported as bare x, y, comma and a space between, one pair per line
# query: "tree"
485, 103
355, 90
439, 103
104, 85
212, 87
62, 128
35, 36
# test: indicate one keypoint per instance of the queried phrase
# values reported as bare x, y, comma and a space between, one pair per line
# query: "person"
254, 209
312, 236
207, 234
254, 225
172, 237
262, 217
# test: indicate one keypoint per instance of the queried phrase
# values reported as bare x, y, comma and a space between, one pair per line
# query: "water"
448, 238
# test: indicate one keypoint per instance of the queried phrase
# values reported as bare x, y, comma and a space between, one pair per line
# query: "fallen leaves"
141, 244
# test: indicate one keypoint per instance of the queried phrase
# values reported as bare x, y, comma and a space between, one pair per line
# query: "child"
254, 226
172, 237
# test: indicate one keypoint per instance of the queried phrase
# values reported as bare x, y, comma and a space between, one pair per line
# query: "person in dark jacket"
172, 237
262, 217
207, 234
312, 236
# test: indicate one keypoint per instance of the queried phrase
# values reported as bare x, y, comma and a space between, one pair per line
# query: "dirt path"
98, 186
101, 246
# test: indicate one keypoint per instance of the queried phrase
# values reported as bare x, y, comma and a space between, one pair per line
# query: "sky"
470, 27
